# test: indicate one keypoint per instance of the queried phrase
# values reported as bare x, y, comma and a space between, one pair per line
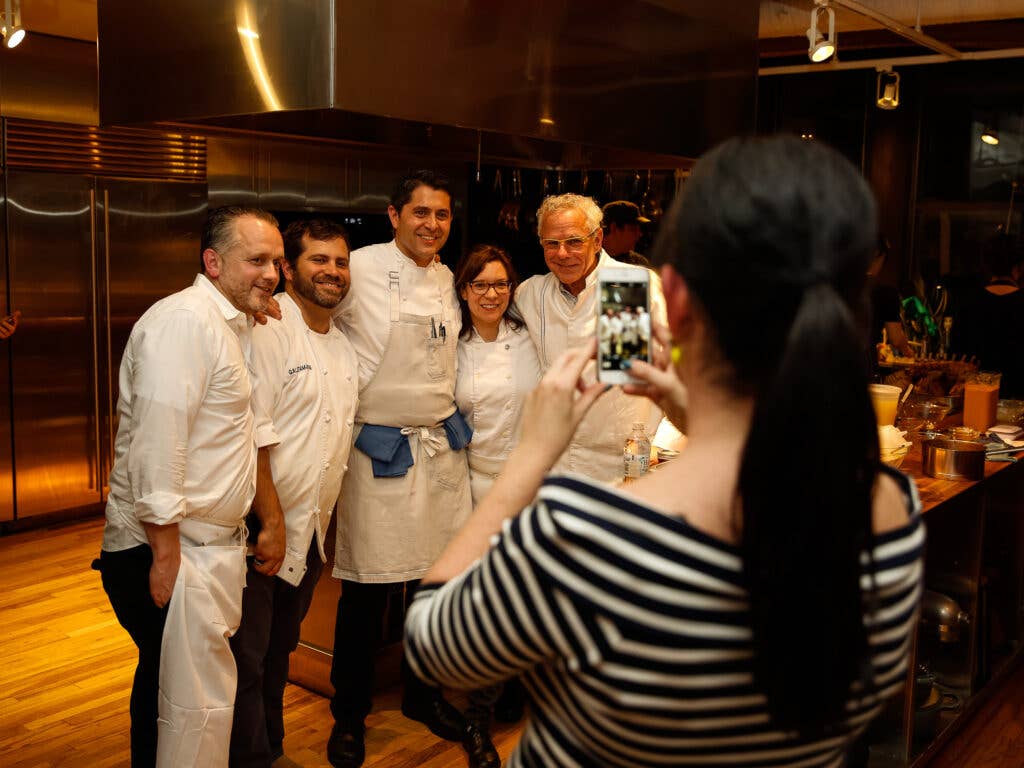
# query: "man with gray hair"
560, 309
184, 475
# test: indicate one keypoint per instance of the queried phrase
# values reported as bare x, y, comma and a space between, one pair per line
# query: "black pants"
125, 577
272, 611
356, 636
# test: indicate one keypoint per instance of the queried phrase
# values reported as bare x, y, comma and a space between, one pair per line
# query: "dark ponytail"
773, 238
805, 492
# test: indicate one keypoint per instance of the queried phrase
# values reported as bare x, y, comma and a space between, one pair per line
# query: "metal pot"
944, 614
953, 459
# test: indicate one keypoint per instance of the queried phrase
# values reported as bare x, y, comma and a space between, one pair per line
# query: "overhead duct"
652, 76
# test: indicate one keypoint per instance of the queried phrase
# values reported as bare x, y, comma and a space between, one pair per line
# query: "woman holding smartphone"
750, 603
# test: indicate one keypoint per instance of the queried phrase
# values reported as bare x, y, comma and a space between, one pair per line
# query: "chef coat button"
348, 422
327, 419
349, 377
325, 371
327, 464
508, 346
504, 434
345, 468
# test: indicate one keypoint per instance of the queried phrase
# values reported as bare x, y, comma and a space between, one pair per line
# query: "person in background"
621, 223
306, 397
10, 324
184, 477
498, 367
990, 325
739, 606
560, 309
406, 490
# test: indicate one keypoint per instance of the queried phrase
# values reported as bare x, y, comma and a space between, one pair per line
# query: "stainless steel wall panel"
56, 405
231, 170
49, 78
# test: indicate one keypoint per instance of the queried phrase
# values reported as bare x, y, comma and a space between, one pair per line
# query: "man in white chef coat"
560, 309
305, 402
406, 491
184, 475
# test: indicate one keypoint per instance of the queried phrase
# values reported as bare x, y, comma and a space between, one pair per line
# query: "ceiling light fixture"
821, 48
11, 29
887, 91
989, 136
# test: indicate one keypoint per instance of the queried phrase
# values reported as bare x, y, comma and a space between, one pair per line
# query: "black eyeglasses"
480, 287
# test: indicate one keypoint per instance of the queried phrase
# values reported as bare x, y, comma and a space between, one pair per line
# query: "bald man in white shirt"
184, 476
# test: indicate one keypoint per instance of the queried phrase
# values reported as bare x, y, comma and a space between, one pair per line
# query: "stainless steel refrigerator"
87, 255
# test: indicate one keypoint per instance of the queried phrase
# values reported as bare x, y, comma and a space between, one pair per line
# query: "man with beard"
406, 491
305, 402
184, 476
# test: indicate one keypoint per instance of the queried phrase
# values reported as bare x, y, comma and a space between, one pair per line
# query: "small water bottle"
636, 453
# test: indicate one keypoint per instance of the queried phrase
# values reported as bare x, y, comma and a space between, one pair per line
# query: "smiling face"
487, 310
320, 276
570, 265
246, 271
423, 224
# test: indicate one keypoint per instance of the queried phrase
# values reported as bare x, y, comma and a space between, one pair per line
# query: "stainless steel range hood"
652, 76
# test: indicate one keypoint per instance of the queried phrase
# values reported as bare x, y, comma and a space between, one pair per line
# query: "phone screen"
623, 325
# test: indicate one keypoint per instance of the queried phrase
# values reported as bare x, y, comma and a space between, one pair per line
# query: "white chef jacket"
556, 324
305, 398
494, 378
364, 314
186, 439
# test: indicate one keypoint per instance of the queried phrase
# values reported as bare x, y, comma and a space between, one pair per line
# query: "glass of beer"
885, 398
981, 399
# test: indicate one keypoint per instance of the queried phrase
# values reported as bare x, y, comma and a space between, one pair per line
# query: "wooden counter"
974, 555
935, 491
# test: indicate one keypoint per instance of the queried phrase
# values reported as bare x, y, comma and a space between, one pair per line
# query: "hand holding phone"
623, 322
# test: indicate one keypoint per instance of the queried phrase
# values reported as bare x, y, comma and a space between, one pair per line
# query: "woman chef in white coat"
498, 367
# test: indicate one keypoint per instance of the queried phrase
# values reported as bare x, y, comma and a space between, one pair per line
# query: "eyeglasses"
572, 244
480, 287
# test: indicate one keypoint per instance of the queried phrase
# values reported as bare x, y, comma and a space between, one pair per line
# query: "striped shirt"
631, 632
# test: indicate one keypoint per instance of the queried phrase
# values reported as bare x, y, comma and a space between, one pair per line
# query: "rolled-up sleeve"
169, 377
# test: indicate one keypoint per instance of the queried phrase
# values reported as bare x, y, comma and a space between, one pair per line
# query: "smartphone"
623, 322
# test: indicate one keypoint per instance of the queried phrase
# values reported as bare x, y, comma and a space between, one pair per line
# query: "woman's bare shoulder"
889, 504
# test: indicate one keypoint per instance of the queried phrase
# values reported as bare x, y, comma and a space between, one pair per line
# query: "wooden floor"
66, 668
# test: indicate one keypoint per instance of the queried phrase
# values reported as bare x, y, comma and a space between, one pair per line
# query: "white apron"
392, 529
197, 670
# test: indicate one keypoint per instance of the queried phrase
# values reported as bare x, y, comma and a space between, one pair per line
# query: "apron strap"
394, 296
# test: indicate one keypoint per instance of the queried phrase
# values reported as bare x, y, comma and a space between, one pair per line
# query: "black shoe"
479, 748
510, 704
443, 720
346, 748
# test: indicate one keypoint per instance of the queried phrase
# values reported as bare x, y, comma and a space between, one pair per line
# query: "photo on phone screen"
623, 322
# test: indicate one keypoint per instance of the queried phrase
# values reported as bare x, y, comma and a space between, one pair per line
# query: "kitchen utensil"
927, 716
953, 459
944, 615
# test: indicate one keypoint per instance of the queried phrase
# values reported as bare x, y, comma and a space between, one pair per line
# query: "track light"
989, 136
11, 29
887, 91
821, 48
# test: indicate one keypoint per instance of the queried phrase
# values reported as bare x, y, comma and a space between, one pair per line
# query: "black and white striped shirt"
631, 631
